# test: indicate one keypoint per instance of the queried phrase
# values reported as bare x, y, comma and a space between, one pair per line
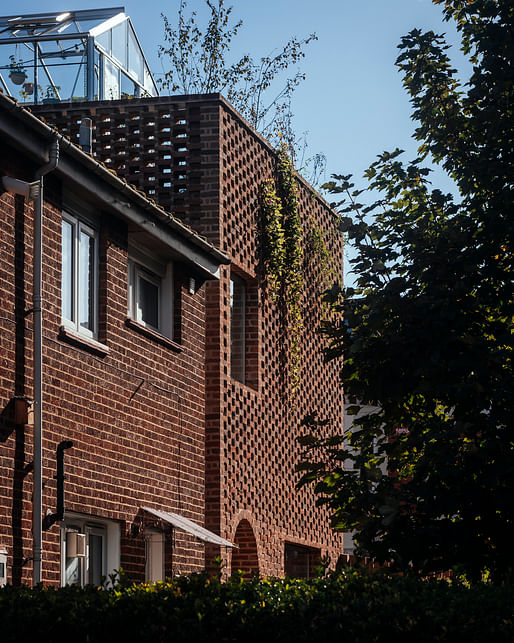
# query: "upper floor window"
244, 330
79, 284
150, 292
146, 287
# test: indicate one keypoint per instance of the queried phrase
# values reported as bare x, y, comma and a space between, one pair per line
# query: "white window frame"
155, 547
141, 273
79, 226
141, 265
108, 530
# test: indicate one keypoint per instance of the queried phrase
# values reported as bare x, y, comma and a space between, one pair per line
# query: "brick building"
127, 389
211, 410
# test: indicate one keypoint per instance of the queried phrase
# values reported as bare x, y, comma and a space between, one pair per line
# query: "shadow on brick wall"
10, 428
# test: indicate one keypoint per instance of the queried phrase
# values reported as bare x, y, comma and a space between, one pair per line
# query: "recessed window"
244, 335
155, 545
150, 293
79, 280
299, 561
147, 297
237, 328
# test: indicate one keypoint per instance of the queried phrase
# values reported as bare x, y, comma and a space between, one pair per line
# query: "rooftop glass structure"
72, 56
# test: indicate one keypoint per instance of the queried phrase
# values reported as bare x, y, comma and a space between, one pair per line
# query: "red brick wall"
136, 415
15, 378
260, 424
217, 163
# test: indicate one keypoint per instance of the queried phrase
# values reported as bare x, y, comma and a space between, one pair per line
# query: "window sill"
153, 334
82, 341
249, 387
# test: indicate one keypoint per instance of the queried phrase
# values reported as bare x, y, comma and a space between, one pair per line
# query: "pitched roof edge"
138, 197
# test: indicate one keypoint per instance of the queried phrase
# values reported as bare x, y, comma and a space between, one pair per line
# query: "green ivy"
274, 249
284, 238
293, 274
283, 253
322, 259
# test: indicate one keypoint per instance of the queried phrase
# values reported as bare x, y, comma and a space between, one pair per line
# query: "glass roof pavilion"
74, 55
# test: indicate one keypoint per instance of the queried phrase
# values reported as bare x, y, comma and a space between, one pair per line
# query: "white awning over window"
191, 527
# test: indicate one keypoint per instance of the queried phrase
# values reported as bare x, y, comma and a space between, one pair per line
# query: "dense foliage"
427, 332
348, 606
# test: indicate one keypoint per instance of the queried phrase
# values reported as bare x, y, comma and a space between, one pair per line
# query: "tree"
427, 332
258, 89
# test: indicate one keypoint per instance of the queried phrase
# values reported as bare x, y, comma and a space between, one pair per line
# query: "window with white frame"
90, 550
155, 545
79, 280
150, 292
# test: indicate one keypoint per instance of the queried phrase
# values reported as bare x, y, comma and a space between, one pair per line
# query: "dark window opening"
300, 562
238, 328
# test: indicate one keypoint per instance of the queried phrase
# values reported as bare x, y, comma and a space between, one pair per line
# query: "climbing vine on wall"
283, 253
274, 249
293, 274
283, 242
322, 259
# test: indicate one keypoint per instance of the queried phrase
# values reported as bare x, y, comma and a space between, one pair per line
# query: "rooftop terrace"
73, 56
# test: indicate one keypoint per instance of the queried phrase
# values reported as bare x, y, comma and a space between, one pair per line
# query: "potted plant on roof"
51, 94
17, 72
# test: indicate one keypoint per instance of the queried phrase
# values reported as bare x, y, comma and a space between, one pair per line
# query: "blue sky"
352, 103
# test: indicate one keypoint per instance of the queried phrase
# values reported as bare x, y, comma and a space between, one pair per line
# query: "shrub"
349, 606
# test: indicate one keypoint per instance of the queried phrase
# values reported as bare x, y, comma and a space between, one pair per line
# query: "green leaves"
427, 332
273, 246
282, 250
353, 604
345, 223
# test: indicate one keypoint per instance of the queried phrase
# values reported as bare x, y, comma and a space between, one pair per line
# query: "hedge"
350, 606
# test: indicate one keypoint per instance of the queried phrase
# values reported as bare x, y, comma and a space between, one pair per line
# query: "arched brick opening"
245, 558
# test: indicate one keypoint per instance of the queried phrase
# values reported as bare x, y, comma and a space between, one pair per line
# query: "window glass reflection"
119, 43
149, 302
67, 271
95, 559
86, 280
135, 60
111, 81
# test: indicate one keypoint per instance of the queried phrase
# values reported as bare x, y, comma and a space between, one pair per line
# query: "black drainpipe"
50, 519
